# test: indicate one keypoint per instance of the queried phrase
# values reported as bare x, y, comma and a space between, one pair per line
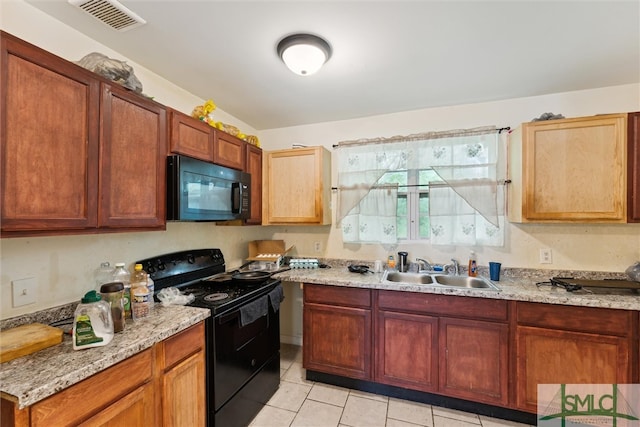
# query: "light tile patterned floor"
302, 403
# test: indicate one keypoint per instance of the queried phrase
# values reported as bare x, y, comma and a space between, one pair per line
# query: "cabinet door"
254, 167
99, 392
190, 137
546, 356
337, 340
133, 161
407, 350
48, 140
474, 360
136, 409
229, 151
183, 393
297, 187
574, 169
633, 168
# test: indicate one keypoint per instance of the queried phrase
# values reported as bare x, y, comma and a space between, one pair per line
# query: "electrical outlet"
24, 291
545, 256
317, 246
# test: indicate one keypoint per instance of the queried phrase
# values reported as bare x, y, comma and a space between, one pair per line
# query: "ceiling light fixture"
304, 54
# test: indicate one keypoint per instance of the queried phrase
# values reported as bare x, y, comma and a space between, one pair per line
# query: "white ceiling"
388, 56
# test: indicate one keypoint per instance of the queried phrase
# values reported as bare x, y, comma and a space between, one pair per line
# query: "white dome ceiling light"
304, 54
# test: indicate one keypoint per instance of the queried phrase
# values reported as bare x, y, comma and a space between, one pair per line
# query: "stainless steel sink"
441, 280
418, 278
464, 282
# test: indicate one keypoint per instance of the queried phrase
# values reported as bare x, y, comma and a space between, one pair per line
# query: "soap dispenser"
473, 265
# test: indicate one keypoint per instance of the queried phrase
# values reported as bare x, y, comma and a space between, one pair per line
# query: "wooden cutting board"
26, 339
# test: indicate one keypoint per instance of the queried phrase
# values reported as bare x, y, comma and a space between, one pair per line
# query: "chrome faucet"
427, 264
456, 267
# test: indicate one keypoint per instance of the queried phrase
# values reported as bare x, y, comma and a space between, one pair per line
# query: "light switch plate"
24, 291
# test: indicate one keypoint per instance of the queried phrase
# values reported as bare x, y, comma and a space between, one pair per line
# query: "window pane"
402, 219
423, 216
397, 177
425, 176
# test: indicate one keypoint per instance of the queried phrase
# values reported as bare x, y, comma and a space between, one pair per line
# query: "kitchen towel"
251, 312
276, 296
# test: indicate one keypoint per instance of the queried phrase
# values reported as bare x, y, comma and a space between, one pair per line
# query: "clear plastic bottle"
140, 296
473, 265
151, 285
120, 274
92, 322
103, 274
391, 263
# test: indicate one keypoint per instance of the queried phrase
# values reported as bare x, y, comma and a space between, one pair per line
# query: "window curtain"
468, 209
367, 214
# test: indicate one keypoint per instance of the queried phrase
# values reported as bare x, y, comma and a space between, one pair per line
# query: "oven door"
241, 351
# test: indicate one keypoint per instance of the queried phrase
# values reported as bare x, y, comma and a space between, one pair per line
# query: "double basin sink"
441, 280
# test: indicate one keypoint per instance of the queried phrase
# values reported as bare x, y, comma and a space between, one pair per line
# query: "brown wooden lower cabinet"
337, 337
483, 350
135, 409
163, 386
407, 350
437, 343
474, 360
571, 345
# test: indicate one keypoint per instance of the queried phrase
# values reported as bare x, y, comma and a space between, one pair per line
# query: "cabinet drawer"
337, 295
581, 319
477, 308
182, 345
76, 403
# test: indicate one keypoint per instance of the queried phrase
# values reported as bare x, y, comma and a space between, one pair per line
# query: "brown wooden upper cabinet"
190, 137
229, 151
254, 168
297, 186
197, 139
569, 170
633, 169
78, 154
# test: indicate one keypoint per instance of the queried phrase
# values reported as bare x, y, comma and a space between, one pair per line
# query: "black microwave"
202, 191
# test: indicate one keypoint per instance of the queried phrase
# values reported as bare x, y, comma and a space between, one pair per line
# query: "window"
413, 201
441, 186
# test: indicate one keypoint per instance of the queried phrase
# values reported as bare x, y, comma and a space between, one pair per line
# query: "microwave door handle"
236, 197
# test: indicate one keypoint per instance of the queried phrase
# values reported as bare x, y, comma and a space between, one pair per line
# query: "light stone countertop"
29, 379
511, 288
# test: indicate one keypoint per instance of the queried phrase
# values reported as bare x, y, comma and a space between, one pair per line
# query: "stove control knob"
161, 266
253, 362
191, 259
150, 269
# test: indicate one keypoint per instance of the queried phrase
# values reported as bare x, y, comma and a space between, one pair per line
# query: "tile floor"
303, 403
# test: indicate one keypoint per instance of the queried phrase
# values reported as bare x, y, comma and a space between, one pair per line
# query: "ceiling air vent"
110, 12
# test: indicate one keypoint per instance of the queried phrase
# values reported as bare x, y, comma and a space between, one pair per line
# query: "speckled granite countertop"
32, 378
519, 286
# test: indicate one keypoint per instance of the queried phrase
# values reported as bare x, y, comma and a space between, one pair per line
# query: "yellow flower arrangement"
202, 112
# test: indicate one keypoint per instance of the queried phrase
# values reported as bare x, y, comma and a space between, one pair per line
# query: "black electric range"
242, 336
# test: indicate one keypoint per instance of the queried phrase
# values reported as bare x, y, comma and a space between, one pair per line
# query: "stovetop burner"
216, 296
201, 272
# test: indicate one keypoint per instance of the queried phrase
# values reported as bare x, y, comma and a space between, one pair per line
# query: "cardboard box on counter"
267, 254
